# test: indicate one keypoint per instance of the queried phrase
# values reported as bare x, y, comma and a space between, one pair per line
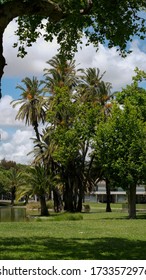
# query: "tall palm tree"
96, 93
33, 104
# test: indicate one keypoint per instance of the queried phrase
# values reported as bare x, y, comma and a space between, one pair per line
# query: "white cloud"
18, 147
34, 62
15, 137
3, 135
15, 141
119, 71
8, 113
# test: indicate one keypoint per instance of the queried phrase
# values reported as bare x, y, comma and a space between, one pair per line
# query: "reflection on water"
12, 214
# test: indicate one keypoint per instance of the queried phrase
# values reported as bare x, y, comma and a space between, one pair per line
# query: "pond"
12, 214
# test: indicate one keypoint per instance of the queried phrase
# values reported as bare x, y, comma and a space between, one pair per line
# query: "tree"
44, 157
61, 73
65, 140
60, 80
33, 108
69, 20
74, 104
134, 92
13, 182
9, 177
120, 150
95, 95
5, 164
3, 182
93, 90
69, 124
35, 181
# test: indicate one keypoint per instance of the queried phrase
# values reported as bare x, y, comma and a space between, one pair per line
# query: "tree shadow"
48, 248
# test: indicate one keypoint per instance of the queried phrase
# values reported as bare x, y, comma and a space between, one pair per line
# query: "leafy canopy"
120, 146
114, 21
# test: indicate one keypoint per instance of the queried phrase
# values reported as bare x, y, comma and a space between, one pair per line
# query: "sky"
15, 140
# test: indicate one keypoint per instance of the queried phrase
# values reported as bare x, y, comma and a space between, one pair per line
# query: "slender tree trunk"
81, 195
44, 209
132, 201
79, 208
35, 126
108, 206
57, 200
13, 191
36, 131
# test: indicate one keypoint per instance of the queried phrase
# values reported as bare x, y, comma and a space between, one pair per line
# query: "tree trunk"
57, 200
132, 201
79, 208
68, 197
13, 192
44, 209
80, 198
2, 59
108, 206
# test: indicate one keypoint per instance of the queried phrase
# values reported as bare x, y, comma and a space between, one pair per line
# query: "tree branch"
16, 8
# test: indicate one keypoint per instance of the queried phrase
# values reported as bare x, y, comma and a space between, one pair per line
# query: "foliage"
7, 164
69, 217
3, 182
98, 20
61, 73
9, 177
35, 182
120, 147
33, 105
134, 93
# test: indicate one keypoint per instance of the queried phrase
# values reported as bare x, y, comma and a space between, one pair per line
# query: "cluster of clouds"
15, 137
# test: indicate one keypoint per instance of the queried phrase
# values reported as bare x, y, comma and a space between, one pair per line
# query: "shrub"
86, 208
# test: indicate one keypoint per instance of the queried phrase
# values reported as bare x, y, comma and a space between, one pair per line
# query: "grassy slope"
98, 235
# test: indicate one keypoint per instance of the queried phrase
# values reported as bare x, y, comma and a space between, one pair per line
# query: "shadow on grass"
39, 248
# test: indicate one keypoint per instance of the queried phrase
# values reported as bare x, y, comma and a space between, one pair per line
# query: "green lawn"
91, 236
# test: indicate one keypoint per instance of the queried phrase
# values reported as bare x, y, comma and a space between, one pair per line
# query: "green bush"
69, 217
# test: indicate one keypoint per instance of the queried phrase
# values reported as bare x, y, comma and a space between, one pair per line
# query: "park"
83, 132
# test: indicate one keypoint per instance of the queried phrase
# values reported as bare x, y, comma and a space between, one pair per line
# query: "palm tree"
13, 181
96, 93
93, 89
62, 73
35, 182
51, 167
33, 104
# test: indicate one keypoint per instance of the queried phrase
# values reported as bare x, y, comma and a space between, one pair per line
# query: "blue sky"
15, 136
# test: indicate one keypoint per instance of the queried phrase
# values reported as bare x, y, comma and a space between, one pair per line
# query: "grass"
89, 236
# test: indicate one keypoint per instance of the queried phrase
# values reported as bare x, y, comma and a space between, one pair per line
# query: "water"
12, 214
